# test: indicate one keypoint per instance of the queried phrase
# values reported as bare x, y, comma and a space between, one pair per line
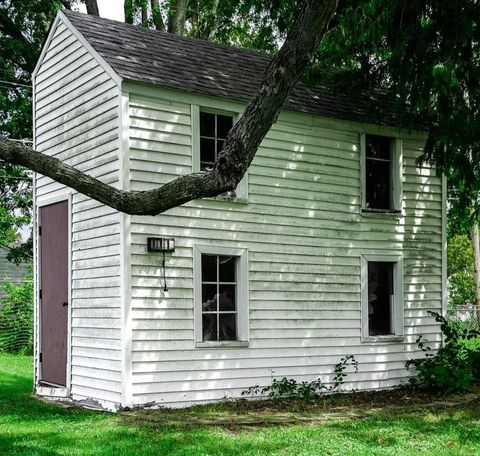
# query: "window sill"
380, 213
224, 344
229, 199
379, 339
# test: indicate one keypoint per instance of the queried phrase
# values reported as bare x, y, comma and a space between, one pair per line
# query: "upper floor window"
214, 129
209, 131
382, 173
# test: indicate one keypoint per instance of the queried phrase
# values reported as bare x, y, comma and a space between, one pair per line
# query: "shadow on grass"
375, 424
392, 406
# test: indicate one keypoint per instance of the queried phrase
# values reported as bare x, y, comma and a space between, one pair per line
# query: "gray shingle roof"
203, 67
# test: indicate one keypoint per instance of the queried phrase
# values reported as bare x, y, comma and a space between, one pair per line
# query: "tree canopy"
424, 54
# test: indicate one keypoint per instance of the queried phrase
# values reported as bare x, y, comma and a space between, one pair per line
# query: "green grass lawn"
334, 426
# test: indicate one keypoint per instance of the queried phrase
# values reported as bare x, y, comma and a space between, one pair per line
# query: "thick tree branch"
241, 144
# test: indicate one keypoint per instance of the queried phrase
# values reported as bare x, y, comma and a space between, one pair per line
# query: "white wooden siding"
76, 120
305, 235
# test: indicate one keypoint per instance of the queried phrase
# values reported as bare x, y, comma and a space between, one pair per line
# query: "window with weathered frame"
381, 298
219, 296
214, 129
379, 179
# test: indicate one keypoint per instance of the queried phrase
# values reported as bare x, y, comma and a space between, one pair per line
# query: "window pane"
220, 146
224, 124
228, 327
209, 327
226, 300
227, 268
207, 150
207, 124
209, 298
378, 184
378, 147
209, 268
380, 298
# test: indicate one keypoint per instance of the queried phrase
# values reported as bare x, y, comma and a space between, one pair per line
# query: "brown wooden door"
54, 292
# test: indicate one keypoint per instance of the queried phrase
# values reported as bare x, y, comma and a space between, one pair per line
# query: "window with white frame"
220, 295
381, 175
219, 291
209, 131
214, 129
382, 297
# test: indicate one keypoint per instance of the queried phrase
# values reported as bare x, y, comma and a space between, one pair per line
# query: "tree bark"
176, 16
212, 22
92, 7
157, 15
476, 255
144, 15
128, 11
241, 144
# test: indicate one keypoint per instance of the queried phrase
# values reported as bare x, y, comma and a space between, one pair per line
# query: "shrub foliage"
16, 317
461, 274
290, 388
455, 366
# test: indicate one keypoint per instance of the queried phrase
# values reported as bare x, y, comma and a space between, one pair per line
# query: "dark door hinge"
40, 357
39, 230
40, 294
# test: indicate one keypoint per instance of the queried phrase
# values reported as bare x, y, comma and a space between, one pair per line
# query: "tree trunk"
144, 15
176, 16
212, 21
92, 7
241, 144
476, 255
128, 11
157, 15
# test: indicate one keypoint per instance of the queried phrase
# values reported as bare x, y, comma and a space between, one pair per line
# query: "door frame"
41, 389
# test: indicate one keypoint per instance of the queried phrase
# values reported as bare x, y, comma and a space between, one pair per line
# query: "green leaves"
461, 274
455, 366
427, 54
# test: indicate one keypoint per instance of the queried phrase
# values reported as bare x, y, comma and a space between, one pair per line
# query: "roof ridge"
173, 36
217, 70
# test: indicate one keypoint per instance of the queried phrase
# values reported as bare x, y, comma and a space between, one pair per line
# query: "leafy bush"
16, 317
461, 274
290, 388
456, 365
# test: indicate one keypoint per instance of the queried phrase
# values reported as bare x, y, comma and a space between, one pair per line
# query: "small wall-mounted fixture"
161, 245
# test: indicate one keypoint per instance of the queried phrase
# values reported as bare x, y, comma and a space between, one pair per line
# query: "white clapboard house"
333, 244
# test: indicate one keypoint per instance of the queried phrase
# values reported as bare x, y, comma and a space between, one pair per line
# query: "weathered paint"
76, 120
303, 228
301, 223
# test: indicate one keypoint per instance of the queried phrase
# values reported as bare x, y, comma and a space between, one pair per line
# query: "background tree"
23, 27
247, 23
424, 54
241, 144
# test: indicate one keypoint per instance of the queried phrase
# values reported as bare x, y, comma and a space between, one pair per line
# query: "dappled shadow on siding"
305, 232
